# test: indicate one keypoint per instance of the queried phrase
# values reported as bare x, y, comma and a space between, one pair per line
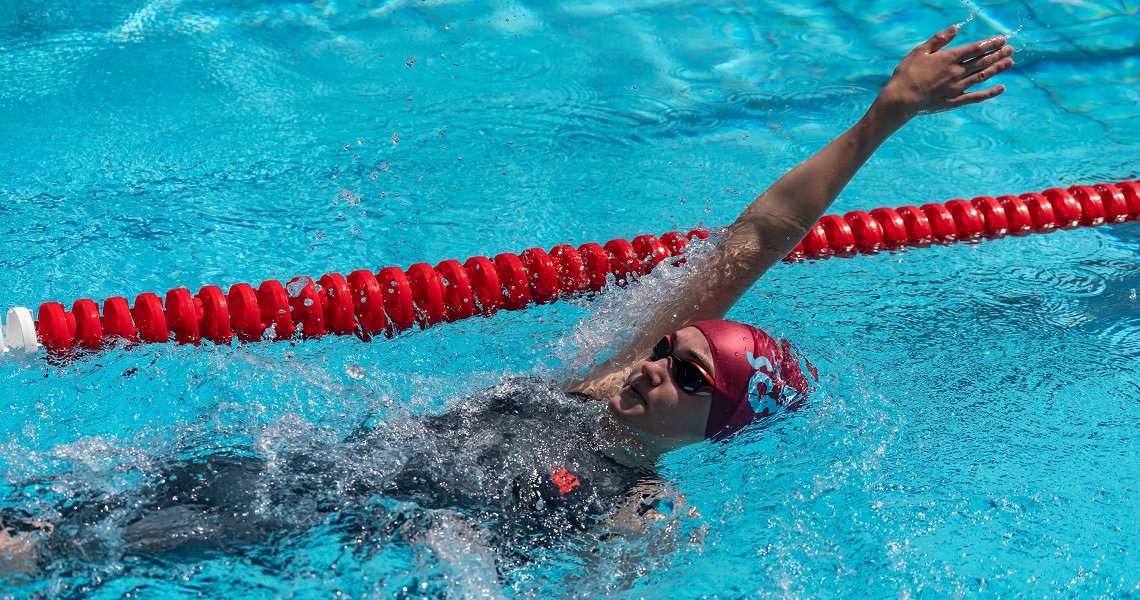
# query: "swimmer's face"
652, 401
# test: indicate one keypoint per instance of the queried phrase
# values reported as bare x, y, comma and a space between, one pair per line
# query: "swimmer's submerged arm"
931, 78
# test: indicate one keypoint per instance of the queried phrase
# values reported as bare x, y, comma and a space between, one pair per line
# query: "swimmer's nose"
656, 371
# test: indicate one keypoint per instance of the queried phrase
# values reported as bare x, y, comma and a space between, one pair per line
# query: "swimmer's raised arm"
931, 78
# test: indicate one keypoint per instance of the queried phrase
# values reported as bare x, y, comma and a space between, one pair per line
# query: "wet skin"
652, 403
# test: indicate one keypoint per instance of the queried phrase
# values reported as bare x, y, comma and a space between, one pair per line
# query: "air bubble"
355, 371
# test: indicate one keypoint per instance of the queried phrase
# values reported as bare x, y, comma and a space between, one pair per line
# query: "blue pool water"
975, 431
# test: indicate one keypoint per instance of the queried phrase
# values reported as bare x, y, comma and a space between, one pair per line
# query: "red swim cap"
755, 376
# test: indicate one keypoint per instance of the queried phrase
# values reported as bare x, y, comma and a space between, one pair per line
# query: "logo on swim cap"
762, 403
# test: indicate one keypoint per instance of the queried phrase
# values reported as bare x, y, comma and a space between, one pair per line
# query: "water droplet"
355, 371
296, 286
348, 146
384, 165
308, 301
411, 61
395, 138
1132, 294
539, 504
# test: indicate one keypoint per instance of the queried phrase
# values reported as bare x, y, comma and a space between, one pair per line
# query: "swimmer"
528, 461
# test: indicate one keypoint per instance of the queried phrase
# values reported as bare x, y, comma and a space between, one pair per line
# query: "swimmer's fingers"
964, 54
939, 40
978, 77
976, 97
988, 60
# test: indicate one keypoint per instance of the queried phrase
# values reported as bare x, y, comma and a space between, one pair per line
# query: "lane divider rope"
393, 300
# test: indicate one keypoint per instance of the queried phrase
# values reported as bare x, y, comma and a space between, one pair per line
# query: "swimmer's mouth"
636, 394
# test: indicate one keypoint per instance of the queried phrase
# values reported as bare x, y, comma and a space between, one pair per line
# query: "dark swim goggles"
690, 376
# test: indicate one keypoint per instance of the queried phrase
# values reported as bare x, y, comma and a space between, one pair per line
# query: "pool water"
975, 427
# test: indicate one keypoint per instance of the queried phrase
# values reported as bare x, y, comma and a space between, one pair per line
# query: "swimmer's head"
751, 374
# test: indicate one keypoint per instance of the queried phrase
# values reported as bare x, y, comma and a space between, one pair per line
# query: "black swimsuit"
520, 461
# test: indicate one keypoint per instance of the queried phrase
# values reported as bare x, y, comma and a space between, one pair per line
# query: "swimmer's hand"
933, 78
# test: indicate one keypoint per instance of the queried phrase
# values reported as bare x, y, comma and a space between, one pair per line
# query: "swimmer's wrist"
888, 115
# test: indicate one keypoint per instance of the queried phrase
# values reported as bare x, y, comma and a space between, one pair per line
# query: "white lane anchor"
20, 331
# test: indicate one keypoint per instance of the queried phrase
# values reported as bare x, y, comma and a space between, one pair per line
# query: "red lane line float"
397, 293
1017, 215
967, 220
597, 264
572, 278
368, 304
458, 297
427, 294
393, 300
88, 328
895, 234
245, 314
273, 301
868, 232
305, 306
816, 244
182, 316
542, 278
336, 304
917, 225
624, 264
838, 233
215, 319
512, 281
994, 223
484, 284
150, 319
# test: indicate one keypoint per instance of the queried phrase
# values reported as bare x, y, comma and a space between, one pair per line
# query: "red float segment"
797, 253
840, 239
117, 320
675, 243
398, 298
542, 278
994, 222
182, 316
572, 278
458, 298
56, 327
1115, 204
1092, 206
1017, 215
305, 307
698, 233
214, 322
816, 244
245, 314
88, 328
868, 232
968, 221
1065, 207
650, 251
150, 318
623, 260
512, 281
368, 304
485, 285
1131, 191
942, 225
336, 304
597, 263
917, 225
894, 227
427, 294
273, 302
1040, 211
